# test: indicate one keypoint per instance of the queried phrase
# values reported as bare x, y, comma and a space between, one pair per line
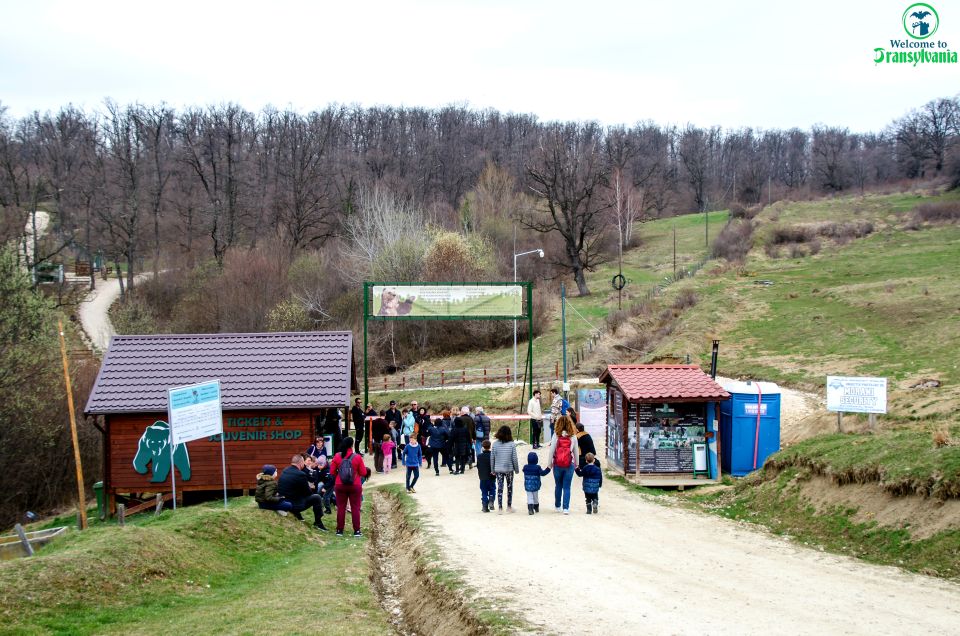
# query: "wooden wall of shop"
252, 439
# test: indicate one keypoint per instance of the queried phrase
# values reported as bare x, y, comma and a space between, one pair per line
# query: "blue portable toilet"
741, 442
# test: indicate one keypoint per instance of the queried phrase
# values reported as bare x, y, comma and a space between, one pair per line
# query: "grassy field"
777, 502
202, 569
885, 305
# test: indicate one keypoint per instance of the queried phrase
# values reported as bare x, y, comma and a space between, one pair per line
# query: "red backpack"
562, 457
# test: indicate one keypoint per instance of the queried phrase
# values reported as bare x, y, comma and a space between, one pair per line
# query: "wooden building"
275, 390
662, 423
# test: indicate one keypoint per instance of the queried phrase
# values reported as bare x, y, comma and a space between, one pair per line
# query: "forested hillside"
270, 220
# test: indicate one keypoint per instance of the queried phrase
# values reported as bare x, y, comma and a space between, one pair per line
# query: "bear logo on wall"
154, 447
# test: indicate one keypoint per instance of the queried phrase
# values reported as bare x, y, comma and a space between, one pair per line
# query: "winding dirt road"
644, 567
94, 311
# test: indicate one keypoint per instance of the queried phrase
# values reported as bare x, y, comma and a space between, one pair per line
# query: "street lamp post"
515, 256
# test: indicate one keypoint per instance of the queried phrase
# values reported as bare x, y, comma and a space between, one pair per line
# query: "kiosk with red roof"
662, 423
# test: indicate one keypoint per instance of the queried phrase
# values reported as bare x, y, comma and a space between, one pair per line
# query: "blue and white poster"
592, 407
195, 411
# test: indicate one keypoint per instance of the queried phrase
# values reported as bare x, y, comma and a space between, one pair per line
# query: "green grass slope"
201, 570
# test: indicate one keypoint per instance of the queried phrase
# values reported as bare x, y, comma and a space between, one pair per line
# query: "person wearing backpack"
481, 430
349, 468
562, 459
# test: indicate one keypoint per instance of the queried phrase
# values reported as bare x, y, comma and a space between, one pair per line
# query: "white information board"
856, 395
592, 406
195, 411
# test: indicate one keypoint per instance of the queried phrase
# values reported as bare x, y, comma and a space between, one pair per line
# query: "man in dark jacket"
437, 443
358, 418
584, 444
460, 439
393, 415
295, 487
481, 429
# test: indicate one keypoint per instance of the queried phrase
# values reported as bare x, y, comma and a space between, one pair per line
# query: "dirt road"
644, 567
94, 316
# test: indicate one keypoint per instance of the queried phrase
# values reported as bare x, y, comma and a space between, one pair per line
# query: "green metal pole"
366, 314
530, 334
563, 332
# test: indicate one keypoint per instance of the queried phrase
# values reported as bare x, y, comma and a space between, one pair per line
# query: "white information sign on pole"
856, 395
195, 411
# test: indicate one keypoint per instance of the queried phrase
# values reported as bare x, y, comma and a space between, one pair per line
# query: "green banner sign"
399, 301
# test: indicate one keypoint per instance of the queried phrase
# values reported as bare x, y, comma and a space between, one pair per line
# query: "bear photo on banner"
154, 447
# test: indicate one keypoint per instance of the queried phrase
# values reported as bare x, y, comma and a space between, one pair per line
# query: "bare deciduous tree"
569, 176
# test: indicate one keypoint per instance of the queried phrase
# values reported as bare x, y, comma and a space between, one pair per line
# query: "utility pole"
82, 503
563, 333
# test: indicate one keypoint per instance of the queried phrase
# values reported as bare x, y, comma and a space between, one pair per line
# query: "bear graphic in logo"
154, 448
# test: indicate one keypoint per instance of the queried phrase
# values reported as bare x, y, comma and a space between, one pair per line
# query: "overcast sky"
763, 64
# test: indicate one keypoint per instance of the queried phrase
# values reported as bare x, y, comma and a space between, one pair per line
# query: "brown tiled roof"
256, 370
664, 382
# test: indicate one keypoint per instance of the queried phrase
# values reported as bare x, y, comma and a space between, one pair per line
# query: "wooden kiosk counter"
275, 389
662, 423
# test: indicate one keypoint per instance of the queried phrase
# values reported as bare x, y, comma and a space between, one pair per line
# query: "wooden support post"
872, 421
463, 377
122, 515
159, 508
403, 381
23, 539
384, 383
441, 377
82, 498
484, 375
422, 375
839, 422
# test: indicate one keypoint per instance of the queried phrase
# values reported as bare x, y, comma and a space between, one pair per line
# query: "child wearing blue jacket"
412, 458
592, 481
531, 482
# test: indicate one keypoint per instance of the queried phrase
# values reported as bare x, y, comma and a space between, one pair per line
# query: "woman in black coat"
460, 441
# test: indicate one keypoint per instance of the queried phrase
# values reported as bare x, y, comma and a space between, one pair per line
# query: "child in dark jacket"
592, 481
325, 482
488, 482
531, 482
267, 497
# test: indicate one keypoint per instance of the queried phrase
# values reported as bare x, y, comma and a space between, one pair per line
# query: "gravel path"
94, 311
644, 567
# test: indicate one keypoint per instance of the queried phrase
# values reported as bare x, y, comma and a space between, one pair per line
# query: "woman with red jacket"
348, 487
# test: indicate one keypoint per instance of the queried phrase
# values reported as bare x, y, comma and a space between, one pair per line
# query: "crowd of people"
450, 441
